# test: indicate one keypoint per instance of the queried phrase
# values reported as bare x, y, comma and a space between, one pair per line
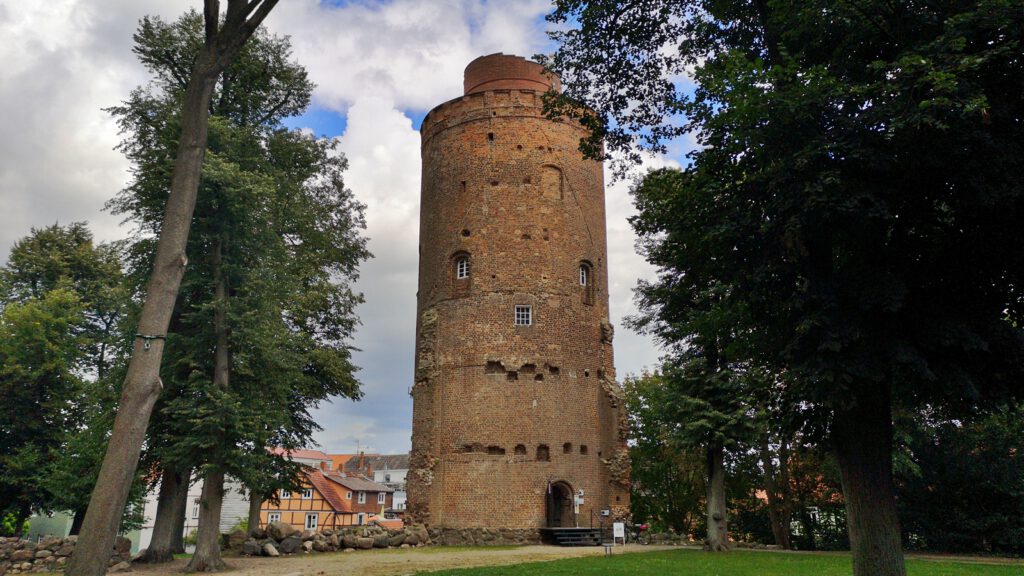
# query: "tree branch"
211, 16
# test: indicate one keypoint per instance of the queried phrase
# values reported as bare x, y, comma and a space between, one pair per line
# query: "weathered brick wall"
508, 189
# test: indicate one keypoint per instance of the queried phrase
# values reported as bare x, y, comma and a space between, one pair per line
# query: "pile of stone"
49, 554
670, 538
485, 536
281, 538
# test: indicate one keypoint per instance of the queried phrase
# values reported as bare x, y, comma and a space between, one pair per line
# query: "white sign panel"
619, 531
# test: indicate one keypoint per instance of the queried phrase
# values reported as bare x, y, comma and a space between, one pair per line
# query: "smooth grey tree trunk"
862, 436
777, 495
142, 382
207, 558
173, 490
255, 503
718, 515
180, 510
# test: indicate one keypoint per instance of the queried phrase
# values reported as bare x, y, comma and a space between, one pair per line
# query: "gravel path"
392, 562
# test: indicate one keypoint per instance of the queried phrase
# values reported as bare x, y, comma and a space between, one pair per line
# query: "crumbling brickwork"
509, 399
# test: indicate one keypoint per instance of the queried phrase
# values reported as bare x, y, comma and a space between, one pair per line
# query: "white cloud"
633, 352
409, 51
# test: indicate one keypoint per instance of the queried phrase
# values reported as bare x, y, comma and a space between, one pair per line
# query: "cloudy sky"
379, 68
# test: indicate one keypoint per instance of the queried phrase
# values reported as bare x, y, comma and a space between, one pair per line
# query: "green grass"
737, 563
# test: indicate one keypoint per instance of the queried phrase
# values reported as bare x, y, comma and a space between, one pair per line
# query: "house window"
387, 477
362, 498
273, 517
348, 495
360, 518
195, 508
462, 267
524, 315
286, 494
381, 497
307, 494
311, 521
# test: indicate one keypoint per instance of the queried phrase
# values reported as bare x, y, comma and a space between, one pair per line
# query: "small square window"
307, 494
311, 521
273, 517
524, 315
286, 494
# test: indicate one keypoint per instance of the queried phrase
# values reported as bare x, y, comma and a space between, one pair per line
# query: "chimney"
360, 459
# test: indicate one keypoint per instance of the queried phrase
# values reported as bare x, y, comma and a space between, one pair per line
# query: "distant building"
328, 499
387, 469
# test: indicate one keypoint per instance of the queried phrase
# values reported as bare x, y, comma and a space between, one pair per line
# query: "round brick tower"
517, 418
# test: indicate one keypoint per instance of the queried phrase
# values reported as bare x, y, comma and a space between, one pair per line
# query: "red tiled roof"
301, 453
328, 491
359, 483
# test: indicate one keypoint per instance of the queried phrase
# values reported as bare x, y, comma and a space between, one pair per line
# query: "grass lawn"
737, 563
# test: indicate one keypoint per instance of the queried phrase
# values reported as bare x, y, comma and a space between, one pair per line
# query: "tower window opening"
587, 282
462, 268
520, 450
567, 448
523, 315
583, 449
490, 136
543, 453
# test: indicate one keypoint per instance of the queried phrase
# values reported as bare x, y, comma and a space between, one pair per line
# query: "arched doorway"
560, 505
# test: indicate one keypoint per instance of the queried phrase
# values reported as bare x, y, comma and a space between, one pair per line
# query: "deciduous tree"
222, 42
857, 195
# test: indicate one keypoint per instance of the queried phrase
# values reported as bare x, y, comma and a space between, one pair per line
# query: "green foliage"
835, 218
667, 482
64, 307
9, 525
39, 393
966, 493
274, 220
741, 563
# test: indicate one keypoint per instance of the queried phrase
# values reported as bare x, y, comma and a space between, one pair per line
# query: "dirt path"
392, 562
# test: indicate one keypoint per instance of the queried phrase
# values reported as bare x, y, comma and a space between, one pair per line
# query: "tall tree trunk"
76, 523
255, 503
173, 488
207, 558
180, 510
809, 528
785, 494
776, 514
862, 436
142, 382
718, 518
207, 555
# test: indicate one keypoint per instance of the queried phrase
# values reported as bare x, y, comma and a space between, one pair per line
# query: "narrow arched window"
461, 268
587, 282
